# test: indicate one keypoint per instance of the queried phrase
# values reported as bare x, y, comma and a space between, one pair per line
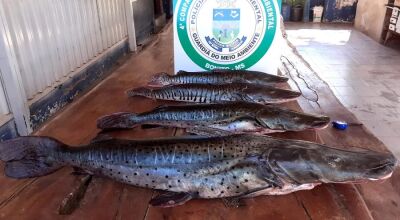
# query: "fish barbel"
235, 166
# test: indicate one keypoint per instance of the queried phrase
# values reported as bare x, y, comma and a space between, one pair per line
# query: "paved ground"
363, 74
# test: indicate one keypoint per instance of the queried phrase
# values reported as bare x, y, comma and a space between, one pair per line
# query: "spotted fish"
236, 166
217, 77
206, 119
205, 93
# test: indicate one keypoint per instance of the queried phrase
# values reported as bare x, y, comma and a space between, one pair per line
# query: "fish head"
317, 163
160, 79
287, 120
265, 95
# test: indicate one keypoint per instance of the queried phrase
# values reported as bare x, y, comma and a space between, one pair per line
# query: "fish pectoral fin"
101, 137
261, 122
147, 126
171, 199
233, 202
242, 97
160, 107
275, 182
269, 176
208, 132
79, 171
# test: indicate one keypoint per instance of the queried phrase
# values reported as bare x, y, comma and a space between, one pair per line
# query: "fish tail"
141, 91
122, 120
28, 157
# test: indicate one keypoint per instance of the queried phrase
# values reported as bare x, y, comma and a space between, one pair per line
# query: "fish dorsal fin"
269, 175
221, 70
171, 199
150, 126
101, 137
257, 120
261, 122
234, 118
181, 72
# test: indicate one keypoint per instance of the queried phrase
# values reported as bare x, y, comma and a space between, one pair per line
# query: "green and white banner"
227, 34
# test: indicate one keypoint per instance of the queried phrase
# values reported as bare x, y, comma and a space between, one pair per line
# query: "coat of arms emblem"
226, 29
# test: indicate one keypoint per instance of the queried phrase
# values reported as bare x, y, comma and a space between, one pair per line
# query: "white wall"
44, 42
52, 38
4, 110
370, 17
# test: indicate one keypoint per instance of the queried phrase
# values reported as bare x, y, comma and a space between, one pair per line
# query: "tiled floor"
363, 74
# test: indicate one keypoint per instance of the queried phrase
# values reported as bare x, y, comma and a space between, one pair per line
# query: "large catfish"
217, 77
205, 93
209, 119
237, 166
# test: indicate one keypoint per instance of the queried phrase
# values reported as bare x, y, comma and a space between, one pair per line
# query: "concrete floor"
363, 74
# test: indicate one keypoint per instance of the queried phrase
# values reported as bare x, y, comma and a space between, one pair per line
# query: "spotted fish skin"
236, 117
217, 167
205, 93
217, 77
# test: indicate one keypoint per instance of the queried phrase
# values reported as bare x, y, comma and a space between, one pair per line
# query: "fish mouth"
378, 170
382, 170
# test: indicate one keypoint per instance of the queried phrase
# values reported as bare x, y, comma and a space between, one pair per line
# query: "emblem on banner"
226, 29
226, 33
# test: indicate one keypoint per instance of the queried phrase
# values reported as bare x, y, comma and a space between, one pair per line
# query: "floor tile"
393, 143
380, 128
363, 74
338, 82
344, 90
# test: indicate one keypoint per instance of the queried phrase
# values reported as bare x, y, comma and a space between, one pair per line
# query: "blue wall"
65, 93
345, 14
81, 82
8, 130
316, 3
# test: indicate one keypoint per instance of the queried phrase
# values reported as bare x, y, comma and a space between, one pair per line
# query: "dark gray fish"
232, 166
239, 117
217, 77
206, 93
